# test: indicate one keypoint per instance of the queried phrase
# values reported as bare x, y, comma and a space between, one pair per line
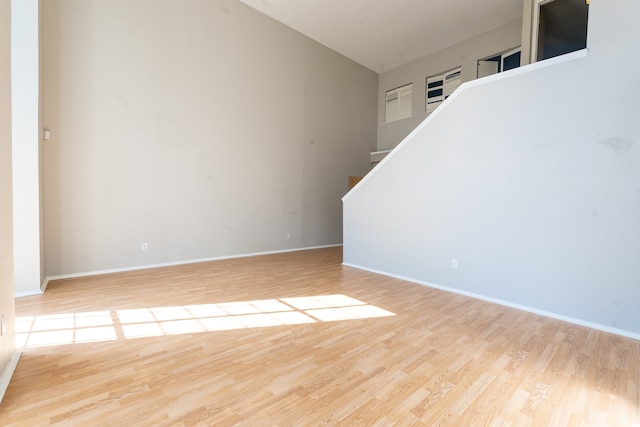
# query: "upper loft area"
409, 93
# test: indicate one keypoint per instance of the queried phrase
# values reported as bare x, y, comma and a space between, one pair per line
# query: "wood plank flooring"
298, 339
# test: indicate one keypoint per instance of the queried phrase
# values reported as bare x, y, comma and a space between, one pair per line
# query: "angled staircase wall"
530, 180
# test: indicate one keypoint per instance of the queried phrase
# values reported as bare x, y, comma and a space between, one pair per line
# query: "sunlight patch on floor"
74, 328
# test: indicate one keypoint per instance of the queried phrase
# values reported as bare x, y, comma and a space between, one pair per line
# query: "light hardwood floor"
297, 339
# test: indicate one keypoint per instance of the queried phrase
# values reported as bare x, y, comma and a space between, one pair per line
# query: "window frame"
404, 103
450, 78
499, 59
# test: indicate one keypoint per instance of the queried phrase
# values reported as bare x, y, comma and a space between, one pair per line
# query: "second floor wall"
464, 54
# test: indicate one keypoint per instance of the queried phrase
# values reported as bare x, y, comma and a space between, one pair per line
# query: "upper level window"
496, 64
441, 86
398, 103
559, 27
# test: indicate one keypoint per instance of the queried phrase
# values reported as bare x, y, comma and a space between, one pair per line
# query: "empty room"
304, 212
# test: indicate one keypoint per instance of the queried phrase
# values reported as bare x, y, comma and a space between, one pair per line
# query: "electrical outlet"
288, 235
144, 247
3, 326
454, 263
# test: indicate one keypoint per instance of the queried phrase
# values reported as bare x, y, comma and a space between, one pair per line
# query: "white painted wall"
465, 54
25, 66
7, 302
536, 192
200, 127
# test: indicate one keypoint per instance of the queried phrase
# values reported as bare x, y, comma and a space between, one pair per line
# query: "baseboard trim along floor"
575, 321
8, 373
46, 281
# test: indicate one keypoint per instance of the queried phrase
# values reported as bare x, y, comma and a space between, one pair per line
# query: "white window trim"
502, 56
509, 53
450, 81
402, 108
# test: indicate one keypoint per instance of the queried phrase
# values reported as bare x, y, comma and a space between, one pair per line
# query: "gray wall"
202, 128
530, 180
7, 342
465, 54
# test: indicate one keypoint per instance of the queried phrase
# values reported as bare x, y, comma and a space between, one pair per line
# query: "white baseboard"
43, 286
8, 373
592, 325
171, 264
26, 294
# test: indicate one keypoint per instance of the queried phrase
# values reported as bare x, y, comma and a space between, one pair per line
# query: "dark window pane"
562, 27
512, 61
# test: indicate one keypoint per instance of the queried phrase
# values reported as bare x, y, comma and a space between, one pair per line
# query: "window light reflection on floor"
74, 328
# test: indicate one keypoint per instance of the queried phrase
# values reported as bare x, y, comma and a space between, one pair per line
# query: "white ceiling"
384, 34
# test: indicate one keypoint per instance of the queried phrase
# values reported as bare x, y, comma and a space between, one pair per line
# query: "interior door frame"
535, 28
